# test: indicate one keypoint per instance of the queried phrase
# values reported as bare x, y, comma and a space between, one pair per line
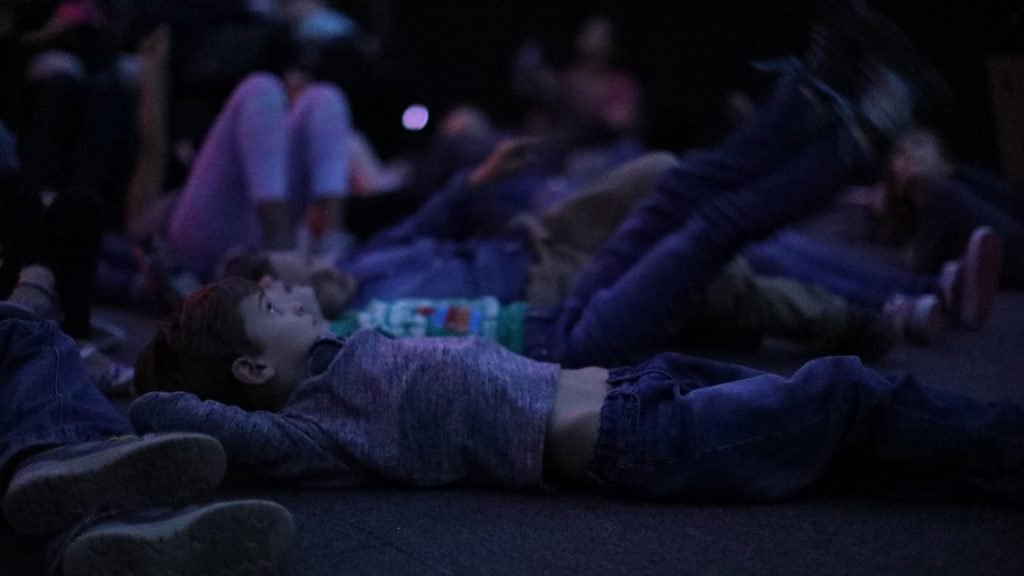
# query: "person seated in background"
932, 205
593, 101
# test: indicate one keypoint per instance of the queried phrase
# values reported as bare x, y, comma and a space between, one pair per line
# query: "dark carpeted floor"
395, 532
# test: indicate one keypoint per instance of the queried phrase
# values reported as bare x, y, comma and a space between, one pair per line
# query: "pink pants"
260, 149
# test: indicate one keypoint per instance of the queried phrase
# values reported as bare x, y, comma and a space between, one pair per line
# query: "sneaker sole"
982, 265
166, 470
246, 537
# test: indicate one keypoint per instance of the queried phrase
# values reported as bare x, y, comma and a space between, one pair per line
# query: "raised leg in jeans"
781, 127
644, 309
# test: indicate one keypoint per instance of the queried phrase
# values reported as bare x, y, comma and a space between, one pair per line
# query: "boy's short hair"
194, 350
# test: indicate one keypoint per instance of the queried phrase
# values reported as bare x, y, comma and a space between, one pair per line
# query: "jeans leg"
46, 396
643, 311
784, 125
840, 270
679, 427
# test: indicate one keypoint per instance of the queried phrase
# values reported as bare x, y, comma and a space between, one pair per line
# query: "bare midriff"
574, 423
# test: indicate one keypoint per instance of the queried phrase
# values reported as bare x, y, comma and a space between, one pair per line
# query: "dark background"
687, 54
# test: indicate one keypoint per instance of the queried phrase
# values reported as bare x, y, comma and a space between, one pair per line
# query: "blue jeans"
844, 272
636, 296
46, 397
687, 428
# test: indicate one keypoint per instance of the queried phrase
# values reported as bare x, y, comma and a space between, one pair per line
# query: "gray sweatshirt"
416, 411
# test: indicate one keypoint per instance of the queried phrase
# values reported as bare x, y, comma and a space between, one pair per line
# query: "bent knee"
261, 87
322, 97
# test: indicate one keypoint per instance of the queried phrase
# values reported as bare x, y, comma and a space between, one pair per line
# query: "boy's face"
285, 332
286, 294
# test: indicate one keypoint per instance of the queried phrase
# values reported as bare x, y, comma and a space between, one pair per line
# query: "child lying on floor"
291, 404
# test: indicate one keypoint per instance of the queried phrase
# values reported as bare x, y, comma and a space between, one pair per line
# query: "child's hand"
290, 266
508, 157
334, 289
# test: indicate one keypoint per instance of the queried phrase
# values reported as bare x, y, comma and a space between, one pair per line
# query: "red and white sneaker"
969, 285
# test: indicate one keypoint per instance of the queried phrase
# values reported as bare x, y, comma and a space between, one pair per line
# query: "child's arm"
435, 218
443, 215
259, 445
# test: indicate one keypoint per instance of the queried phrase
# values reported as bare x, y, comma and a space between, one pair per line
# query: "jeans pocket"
615, 453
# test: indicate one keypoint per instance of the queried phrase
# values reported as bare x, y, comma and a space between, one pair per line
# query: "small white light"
415, 117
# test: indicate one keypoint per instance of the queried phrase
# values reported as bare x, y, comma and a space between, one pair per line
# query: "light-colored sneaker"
113, 378
222, 538
56, 489
919, 318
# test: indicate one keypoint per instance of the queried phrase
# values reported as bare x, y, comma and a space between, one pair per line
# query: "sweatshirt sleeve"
261, 446
438, 217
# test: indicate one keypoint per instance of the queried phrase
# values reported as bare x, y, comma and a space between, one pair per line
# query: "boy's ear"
252, 371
